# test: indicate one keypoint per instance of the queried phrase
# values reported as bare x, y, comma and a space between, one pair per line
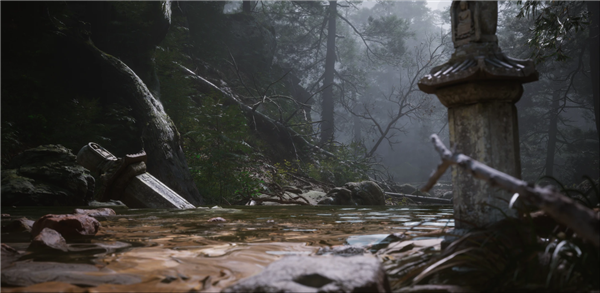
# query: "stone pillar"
480, 86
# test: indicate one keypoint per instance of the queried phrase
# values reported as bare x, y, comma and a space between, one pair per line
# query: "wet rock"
341, 196
19, 225
358, 193
326, 201
101, 212
405, 189
421, 193
49, 239
9, 255
314, 196
25, 273
47, 175
342, 250
69, 226
217, 219
447, 195
318, 274
111, 202
366, 193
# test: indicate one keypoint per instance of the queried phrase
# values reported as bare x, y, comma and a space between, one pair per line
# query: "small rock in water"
342, 250
270, 221
67, 225
96, 212
217, 219
318, 274
49, 238
19, 225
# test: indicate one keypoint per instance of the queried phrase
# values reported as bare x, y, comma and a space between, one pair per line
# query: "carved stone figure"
464, 28
474, 22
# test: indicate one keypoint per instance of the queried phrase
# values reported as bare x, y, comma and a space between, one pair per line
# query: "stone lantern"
480, 86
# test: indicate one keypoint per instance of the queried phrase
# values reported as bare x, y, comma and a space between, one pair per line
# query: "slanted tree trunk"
327, 126
161, 140
594, 10
552, 133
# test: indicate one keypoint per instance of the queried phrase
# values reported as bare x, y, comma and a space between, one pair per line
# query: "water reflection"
180, 250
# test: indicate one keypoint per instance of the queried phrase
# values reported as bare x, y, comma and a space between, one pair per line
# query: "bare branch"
563, 209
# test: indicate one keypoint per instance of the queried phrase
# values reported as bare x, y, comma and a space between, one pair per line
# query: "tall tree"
327, 125
556, 25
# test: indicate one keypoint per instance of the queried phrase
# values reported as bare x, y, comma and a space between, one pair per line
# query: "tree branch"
563, 209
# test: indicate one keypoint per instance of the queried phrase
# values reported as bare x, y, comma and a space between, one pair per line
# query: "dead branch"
259, 121
562, 208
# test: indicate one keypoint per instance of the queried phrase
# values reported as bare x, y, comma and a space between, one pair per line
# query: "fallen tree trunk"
423, 199
270, 130
563, 209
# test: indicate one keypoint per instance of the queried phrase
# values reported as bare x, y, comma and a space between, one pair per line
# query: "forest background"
340, 77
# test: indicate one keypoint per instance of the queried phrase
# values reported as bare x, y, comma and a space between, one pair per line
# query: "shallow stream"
180, 250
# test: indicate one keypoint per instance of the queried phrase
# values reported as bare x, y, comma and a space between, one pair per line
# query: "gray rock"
45, 176
405, 189
358, 193
342, 250
318, 274
110, 203
314, 197
19, 225
49, 239
341, 196
27, 273
366, 193
447, 195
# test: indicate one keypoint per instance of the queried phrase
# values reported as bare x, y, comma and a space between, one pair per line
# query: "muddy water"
179, 250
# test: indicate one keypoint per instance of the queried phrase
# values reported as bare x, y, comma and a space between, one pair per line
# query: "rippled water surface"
179, 250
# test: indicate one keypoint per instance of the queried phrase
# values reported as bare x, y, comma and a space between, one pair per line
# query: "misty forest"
300, 146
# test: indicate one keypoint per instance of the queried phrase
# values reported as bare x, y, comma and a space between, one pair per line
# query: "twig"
563, 209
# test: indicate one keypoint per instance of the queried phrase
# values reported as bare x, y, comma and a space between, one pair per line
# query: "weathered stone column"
480, 86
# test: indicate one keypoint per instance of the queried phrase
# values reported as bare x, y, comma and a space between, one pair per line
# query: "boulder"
69, 226
19, 225
405, 189
341, 196
447, 195
314, 197
45, 176
318, 274
358, 193
49, 239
